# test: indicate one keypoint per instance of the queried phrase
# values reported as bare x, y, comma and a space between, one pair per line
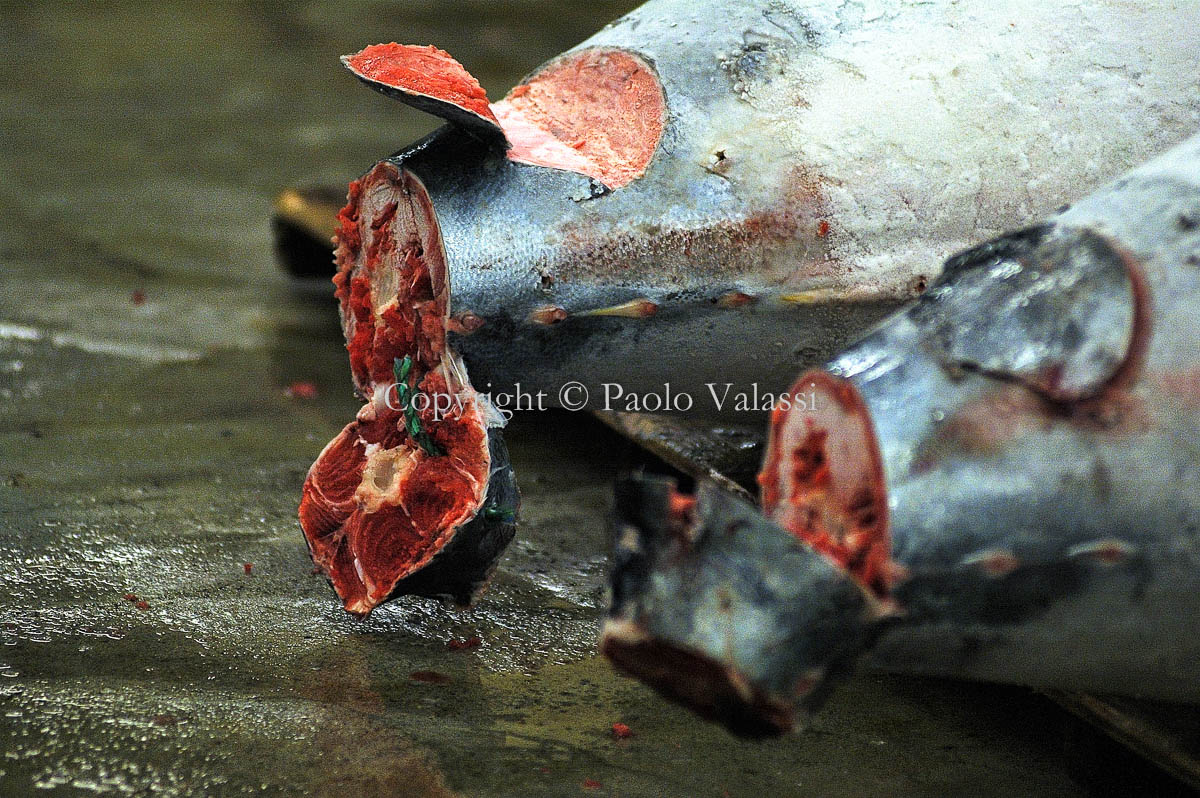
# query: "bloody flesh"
425, 71
598, 112
822, 478
378, 506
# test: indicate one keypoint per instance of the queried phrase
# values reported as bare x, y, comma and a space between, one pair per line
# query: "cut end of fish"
415, 496
823, 480
429, 80
1048, 324
599, 112
721, 610
709, 687
1063, 312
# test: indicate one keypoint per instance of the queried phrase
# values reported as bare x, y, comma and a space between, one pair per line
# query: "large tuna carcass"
719, 192
999, 483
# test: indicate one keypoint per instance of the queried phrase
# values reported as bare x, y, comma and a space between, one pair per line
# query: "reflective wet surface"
162, 631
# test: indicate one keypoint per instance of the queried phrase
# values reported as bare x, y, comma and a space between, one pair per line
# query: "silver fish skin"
728, 613
1021, 450
817, 160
